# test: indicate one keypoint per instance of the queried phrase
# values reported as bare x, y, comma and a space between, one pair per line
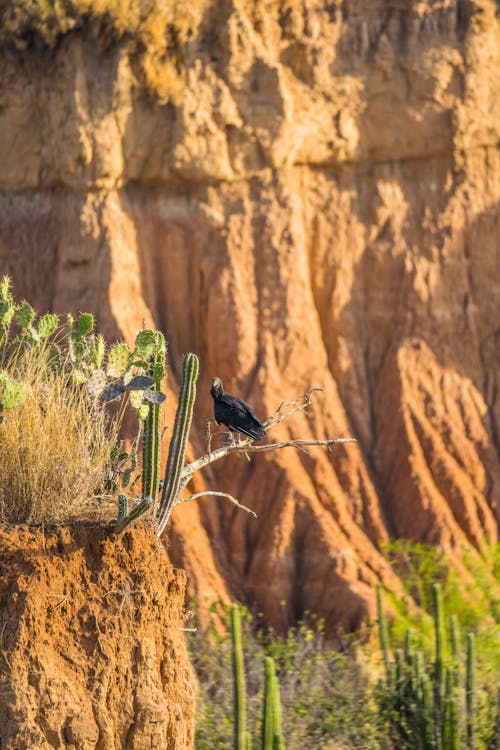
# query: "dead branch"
248, 447
229, 497
244, 447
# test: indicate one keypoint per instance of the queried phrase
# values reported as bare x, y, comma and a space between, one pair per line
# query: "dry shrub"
54, 447
156, 30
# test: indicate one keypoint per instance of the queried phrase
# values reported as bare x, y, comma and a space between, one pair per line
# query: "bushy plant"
55, 444
155, 31
58, 442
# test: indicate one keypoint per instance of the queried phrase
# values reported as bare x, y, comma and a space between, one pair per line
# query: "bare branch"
229, 497
248, 447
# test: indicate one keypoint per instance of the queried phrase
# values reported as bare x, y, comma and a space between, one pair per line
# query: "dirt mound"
92, 656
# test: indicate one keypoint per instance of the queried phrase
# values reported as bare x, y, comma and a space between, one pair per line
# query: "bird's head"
216, 390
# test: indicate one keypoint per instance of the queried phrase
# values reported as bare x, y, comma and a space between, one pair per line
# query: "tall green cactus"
423, 700
278, 742
439, 631
272, 738
449, 732
470, 691
268, 723
152, 436
178, 442
383, 633
427, 714
455, 638
241, 736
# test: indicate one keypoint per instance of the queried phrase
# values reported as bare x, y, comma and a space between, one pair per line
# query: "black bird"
235, 413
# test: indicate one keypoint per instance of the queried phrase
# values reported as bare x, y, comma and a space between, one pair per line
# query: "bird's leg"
230, 440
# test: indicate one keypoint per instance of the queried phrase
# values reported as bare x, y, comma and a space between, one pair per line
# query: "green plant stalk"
269, 718
408, 646
427, 710
136, 513
455, 647
455, 639
152, 437
241, 736
439, 674
278, 742
383, 634
470, 691
178, 442
122, 507
248, 741
450, 734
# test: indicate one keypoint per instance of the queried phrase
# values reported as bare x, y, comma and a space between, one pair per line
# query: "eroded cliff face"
320, 208
92, 656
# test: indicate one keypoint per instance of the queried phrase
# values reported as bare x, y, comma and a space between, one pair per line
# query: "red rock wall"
320, 208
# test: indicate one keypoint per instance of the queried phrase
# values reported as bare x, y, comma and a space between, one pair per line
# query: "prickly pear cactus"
118, 360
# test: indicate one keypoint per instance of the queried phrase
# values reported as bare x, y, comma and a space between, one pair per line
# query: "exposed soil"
91, 654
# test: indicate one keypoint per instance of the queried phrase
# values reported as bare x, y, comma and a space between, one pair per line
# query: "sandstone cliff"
92, 656
319, 206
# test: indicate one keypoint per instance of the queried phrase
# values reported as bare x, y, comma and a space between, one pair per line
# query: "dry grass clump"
155, 29
54, 447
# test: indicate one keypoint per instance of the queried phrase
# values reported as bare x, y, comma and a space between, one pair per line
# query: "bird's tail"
256, 433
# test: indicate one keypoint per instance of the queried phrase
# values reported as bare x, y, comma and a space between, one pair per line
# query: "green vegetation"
59, 443
423, 701
325, 696
418, 685
55, 440
471, 593
241, 736
155, 31
155, 357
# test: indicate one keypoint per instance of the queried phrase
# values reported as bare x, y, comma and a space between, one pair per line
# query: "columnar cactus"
152, 436
239, 700
383, 633
178, 442
272, 738
450, 735
424, 700
470, 690
439, 671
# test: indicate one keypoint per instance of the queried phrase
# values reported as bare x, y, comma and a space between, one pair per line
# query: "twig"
59, 604
229, 497
285, 410
211, 434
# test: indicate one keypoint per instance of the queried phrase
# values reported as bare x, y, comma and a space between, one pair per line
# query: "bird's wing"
240, 408
237, 415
